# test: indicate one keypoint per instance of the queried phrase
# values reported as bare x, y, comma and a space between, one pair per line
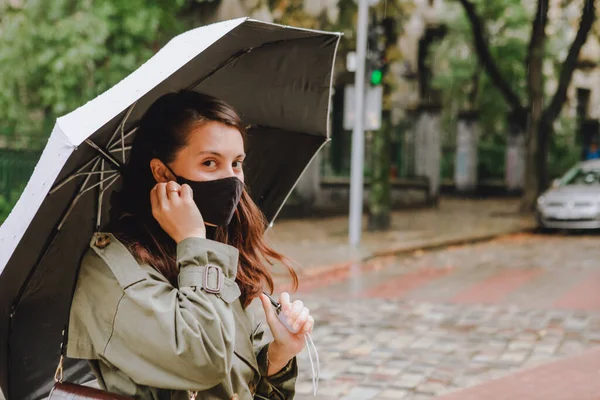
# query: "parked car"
573, 201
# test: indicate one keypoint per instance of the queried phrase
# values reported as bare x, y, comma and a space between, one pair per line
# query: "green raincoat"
149, 340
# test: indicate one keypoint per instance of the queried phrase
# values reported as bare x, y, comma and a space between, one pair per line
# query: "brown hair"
162, 132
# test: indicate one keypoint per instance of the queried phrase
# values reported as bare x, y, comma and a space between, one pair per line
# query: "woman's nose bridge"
227, 171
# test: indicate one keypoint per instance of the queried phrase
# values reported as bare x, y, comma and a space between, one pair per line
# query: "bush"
7, 202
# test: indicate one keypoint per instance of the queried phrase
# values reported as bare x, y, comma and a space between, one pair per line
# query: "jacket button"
252, 387
102, 241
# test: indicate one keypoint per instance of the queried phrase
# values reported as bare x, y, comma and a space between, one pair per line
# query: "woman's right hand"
174, 208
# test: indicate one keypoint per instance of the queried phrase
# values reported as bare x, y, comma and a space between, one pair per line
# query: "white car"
573, 201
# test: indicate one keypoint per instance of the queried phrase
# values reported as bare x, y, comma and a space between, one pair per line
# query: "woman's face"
213, 151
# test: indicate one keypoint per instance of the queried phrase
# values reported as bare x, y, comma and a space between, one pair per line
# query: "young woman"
160, 307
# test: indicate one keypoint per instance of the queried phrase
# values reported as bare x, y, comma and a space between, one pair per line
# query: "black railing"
16, 167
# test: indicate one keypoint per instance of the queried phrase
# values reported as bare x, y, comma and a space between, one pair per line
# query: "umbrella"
278, 78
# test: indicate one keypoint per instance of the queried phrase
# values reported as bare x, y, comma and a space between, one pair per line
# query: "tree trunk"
539, 122
535, 87
545, 135
536, 179
380, 193
533, 167
380, 200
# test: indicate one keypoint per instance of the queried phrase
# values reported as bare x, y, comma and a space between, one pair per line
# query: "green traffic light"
376, 77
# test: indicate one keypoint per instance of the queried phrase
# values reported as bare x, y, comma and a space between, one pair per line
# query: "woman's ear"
160, 172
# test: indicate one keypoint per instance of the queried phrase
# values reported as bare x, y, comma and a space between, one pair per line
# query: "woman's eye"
237, 164
209, 163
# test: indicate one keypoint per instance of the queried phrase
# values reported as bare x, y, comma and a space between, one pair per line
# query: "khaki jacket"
149, 340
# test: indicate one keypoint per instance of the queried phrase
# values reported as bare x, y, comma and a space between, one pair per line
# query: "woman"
160, 307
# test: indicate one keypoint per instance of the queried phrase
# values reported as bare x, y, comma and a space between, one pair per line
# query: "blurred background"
453, 115
479, 254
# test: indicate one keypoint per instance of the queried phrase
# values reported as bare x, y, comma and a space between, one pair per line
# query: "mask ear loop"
315, 375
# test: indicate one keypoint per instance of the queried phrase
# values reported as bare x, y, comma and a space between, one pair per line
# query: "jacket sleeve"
177, 338
280, 386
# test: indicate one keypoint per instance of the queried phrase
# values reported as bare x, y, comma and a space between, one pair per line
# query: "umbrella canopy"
278, 78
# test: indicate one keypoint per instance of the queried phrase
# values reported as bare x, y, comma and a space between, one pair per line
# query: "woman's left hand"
286, 344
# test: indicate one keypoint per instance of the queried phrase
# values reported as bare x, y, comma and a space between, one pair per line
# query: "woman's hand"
286, 344
174, 208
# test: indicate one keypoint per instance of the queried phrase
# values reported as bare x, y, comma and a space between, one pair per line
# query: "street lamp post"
358, 134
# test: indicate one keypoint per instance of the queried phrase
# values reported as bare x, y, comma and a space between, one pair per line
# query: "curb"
321, 273
434, 245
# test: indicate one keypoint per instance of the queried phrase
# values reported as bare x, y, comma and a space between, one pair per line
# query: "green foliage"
564, 151
7, 202
380, 192
57, 54
465, 86
458, 75
491, 158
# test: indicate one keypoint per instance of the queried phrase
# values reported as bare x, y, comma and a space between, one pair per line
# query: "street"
419, 326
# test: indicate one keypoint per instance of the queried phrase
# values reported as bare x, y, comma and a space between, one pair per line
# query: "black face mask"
217, 200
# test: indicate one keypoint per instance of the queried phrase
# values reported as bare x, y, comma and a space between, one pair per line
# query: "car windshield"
581, 176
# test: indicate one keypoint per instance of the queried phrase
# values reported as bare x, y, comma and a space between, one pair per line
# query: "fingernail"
289, 321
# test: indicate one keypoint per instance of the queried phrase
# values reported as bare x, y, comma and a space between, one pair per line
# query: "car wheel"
541, 228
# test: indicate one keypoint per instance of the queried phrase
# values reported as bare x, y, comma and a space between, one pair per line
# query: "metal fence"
335, 157
16, 167
490, 164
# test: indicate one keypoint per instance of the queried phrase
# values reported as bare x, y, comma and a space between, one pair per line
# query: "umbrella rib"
99, 183
104, 153
78, 174
118, 149
231, 59
112, 149
82, 191
79, 195
68, 179
113, 146
103, 189
81, 188
121, 127
224, 64
100, 195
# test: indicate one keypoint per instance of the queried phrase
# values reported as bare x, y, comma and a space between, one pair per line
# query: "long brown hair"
162, 132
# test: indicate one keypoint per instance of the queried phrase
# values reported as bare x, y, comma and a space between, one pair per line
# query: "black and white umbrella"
278, 78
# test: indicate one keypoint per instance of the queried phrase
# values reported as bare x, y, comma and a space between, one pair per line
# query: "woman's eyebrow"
217, 154
213, 153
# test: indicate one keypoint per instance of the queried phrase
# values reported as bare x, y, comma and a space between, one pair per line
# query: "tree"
464, 86
536, 118
380, 193
459, 76
56, 55
394, 13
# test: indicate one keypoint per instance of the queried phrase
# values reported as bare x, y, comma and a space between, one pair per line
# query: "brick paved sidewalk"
573, 378
431, 323
321, 245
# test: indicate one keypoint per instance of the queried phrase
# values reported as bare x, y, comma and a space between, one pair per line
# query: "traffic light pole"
358, 134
